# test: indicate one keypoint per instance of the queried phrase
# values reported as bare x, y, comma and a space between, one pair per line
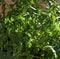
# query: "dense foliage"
29, 32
